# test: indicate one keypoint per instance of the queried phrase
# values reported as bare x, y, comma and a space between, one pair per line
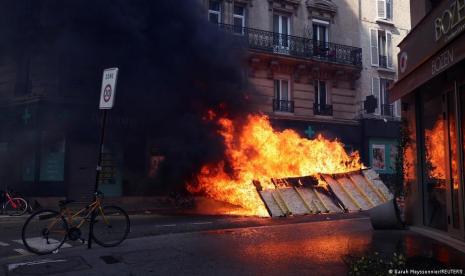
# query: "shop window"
52, 157
434, 161
383, 155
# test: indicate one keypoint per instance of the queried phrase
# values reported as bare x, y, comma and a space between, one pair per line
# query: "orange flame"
257, 152
436, 151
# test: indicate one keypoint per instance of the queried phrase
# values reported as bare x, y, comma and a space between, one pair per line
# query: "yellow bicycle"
45, 231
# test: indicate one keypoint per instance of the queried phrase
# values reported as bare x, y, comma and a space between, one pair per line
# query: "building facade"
432, 89
313, 64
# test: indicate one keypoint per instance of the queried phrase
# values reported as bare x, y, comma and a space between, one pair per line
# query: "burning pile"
255, 151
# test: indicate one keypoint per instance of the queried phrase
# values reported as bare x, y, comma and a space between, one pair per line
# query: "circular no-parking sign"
108, 88
107, 93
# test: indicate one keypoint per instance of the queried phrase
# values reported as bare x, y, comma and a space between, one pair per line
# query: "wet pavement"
313, 248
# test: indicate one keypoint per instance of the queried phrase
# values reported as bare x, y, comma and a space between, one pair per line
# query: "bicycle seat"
64, 202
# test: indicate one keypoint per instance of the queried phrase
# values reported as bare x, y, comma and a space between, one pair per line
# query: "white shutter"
389, 49
375, 90
374, 47
397, 106
389, 9
381, 8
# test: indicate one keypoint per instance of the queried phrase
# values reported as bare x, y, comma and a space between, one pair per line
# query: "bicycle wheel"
16, 207
44, 232
110, 226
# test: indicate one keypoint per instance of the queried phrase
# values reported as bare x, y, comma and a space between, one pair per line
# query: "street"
143, 225
226, 246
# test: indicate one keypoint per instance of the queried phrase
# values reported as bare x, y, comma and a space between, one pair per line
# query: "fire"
436, 151
255, 151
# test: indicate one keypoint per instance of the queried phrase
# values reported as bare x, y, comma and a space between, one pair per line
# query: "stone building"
314, 62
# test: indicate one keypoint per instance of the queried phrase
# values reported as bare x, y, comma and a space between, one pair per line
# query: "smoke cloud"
174, 66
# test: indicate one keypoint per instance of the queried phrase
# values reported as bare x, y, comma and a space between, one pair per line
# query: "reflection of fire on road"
257, 152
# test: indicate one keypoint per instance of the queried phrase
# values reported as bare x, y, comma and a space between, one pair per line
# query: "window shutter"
277, 90
381, 4
375, 90
389, 9
285, 90
397, 106
389, 49
374, 47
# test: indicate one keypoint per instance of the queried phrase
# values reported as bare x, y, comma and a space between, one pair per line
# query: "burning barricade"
263, 173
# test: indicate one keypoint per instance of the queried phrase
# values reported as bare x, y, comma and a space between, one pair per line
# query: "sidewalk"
316, 248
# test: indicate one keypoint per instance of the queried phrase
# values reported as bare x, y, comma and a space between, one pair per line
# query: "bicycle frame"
69, 216
9, 199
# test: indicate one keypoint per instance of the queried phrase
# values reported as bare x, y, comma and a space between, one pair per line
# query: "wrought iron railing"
322, 109
387, 110
296, 46
283, 105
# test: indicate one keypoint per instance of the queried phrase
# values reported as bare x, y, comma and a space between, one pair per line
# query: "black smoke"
174, 66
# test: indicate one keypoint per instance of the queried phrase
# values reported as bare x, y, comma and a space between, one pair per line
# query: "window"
321, 106
282, 101
381, 48
320, 31
320, 92
214, 11
380, 89
384, 8
239, 19
282, 30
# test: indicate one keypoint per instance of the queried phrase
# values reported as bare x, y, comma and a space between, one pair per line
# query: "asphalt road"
194, 245
143, 225
275, 249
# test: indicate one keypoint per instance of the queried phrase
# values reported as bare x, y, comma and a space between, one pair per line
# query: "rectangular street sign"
107, 94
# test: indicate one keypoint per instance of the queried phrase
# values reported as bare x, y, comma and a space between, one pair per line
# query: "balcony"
322, 109
387, 110
383, 61
283, 106
295, 46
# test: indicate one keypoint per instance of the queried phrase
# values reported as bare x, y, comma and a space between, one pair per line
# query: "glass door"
454, 171
442, 159
281, 32
434, 161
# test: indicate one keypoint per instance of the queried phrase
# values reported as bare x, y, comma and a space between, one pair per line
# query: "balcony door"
320, 38
282, 30
282, 95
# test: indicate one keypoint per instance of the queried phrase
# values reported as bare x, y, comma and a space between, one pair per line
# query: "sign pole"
107, 100
100, 153
97, 175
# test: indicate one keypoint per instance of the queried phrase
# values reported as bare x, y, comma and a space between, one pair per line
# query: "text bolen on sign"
107, 93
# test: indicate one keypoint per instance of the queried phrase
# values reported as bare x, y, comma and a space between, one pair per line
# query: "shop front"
432, 88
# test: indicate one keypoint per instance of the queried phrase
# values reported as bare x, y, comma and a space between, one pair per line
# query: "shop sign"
442, 25
442, 61
451, 22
